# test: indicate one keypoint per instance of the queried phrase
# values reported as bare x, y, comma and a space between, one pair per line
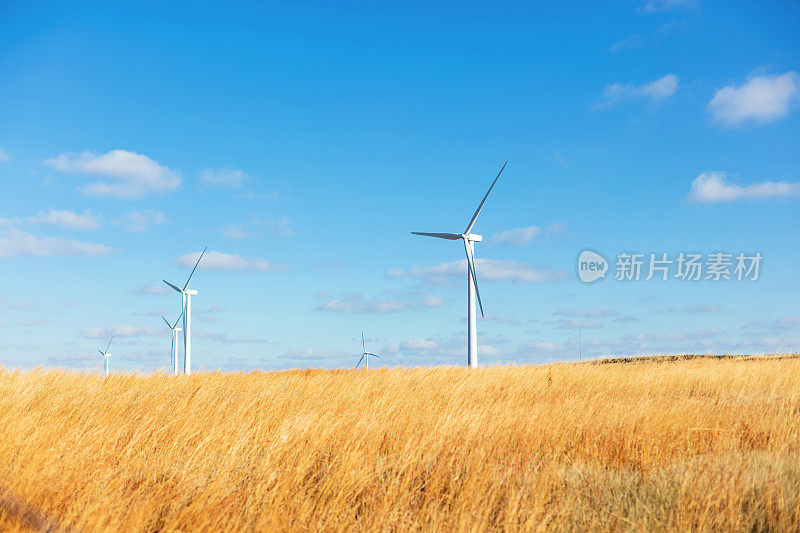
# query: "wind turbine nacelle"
190, 292
474, 237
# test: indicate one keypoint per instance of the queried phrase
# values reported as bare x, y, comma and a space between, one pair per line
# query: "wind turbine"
365, 354
174, 350
106, 354
186, 308
472, 281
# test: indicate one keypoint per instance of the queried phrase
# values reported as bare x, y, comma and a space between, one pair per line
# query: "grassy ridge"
690, 444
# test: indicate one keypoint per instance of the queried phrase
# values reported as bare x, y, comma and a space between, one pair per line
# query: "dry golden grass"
683, 445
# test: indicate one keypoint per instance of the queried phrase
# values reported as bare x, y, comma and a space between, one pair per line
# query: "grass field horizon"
678, 442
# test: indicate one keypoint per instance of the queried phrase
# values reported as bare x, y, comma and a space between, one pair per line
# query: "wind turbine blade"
374, 355
363, 344
448, 236
195, 268
101, 353
168, 324
109, 344
471, 266
359, 361
171, 285
176, 322
477, 211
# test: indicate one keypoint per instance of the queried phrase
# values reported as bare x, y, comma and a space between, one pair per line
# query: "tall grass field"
708, 444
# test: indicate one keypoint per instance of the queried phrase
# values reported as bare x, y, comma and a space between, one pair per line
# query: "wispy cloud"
759, 100
575, 323
487, 269
122, 330
118, 173
523, 236
712, 187
152, 288
592, 313
4, 156
392, 302
258, 226
706, 308
67, 219
226, 177
140, 221
214, 260
654, 91
631, 41
15, 242
656, 6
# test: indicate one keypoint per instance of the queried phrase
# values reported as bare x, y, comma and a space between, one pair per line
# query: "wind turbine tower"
365, 354
174, 350
106, 355
186, 307
472, 281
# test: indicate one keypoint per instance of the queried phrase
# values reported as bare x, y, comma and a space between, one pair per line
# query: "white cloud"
15, 242
121, 331
577, 324
386, 302
4, 155
355, 303
153, 288
487, 269
655, 6
314, 355
226, 177
594, 313
523, 236
118, 173
632, 41
257, 226
67, 219
760, 99
140, 221
221, 261
235, 232
707, 308
655, 91
712, 186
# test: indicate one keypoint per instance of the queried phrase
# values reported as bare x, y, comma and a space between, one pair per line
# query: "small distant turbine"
106, 355
174, 350
186, 307
365, 354
472, 280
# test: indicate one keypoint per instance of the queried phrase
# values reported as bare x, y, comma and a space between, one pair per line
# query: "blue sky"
303, 143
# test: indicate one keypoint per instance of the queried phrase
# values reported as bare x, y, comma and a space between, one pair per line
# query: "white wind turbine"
186, 308
106, 355
365, 354
472, 281
174, 350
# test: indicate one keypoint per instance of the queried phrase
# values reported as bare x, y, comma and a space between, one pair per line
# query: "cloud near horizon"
713, 187
486, 270
118, 173
214, 260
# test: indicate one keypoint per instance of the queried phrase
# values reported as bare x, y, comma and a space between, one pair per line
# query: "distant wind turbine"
174, 350
106, 355
186, 307
365, 354
472, 281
